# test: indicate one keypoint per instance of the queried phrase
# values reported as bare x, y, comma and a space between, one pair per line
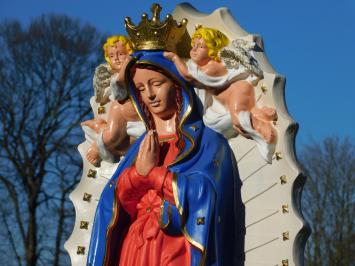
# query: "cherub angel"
115, 134
228, 72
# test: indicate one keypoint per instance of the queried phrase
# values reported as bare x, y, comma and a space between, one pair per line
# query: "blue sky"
310, 42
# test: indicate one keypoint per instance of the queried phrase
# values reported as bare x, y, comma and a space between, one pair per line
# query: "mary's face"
157, 92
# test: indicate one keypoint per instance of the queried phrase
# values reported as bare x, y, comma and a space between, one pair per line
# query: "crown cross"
156, 8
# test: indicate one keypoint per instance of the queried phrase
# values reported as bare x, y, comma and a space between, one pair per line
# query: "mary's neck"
165, 126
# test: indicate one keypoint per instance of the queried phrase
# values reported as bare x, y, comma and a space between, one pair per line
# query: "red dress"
141, 196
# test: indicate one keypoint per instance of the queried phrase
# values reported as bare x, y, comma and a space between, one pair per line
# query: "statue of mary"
175, 197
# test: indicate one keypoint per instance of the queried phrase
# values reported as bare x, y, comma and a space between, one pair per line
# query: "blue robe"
206, 186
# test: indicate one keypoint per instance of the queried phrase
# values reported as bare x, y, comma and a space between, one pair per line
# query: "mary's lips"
155, 103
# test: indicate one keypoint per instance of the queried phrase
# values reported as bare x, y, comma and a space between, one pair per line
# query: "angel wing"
101, 83
240, 52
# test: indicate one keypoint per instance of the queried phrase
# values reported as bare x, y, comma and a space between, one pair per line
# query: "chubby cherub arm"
180, 65
183, 70
215, 69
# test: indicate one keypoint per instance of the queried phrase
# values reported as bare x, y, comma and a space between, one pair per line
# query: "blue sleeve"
201, 199
170, 220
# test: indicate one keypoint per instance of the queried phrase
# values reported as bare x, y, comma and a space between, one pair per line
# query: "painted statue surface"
176, 185
227, 72
181, 130
177, 189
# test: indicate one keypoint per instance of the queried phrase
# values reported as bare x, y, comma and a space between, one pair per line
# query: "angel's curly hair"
214, 39
126, 42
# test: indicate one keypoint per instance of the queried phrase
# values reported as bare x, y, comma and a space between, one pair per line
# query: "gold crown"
154, 34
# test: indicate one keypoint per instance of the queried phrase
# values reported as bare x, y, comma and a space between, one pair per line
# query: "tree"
45, 83
328, 201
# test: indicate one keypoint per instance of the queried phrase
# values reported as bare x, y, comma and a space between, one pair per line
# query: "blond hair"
114, 39
214, 40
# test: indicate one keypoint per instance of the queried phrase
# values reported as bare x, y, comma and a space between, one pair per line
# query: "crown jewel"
154, 34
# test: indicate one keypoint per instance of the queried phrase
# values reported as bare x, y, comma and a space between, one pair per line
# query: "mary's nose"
151, 97
151, 94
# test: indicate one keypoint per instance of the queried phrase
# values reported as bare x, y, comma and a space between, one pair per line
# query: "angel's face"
199, 52
117, 54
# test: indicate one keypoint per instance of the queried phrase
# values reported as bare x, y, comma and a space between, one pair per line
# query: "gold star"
84, 225
285, 208
87, 197
80, 250
283, 179
101, 110
92, 173
200, 220
285, 236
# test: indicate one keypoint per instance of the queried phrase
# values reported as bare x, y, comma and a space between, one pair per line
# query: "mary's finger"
143, 146
156, 141
153, 143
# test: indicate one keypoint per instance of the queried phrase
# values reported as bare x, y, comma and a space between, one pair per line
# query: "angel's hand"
93, 155
170, 55
180, 65
121, 74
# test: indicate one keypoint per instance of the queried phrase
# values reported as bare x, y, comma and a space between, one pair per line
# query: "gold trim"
199, 246
192, 241
127, 75
194, 127
166, 139
175, 193
186, 114
137, 111
161, 224
115, 210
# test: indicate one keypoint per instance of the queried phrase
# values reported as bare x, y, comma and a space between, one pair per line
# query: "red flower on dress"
146, 226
